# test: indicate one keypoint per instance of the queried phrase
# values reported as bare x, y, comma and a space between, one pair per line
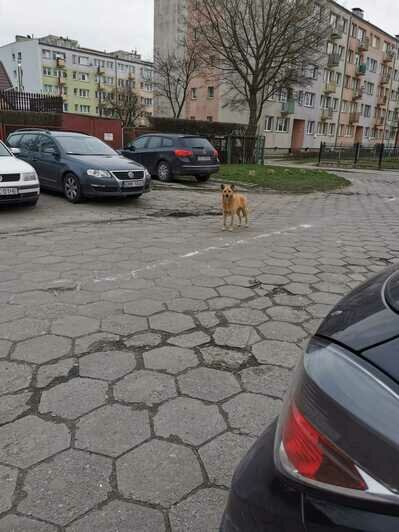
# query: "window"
193, 94
154, 143
282, 125
65, 107
140, 143
371, 64
167, 143
13, 57
354, 31
209, 118
335, 104
342, 130
47, 71
345, 106
351, 55
309, 99
339, 78
83, 76
192, 117
85, 108
331, 130
28, 143
46, 54
367, 111
211, 92
375, 41
361, 34
300, 98
366, 132
310, 128
269, 121
46, 145
282, 95
84, 93
83, 60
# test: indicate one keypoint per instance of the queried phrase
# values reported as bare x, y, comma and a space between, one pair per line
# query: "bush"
31, 119
195, 127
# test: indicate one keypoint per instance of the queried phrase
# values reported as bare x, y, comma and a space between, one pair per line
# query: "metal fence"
12, 100
378, 156
239, 149
285, 154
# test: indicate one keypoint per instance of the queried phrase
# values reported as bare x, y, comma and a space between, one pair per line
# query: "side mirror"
132, 147
15, 151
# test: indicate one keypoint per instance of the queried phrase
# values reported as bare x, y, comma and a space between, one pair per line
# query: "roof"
5, 82
171, 135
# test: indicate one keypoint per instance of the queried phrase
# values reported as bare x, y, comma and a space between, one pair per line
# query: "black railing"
12, 100
377, 156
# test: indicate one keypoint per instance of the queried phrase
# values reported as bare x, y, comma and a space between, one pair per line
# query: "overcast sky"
125, 24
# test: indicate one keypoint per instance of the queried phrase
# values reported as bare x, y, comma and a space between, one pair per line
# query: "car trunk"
203, 151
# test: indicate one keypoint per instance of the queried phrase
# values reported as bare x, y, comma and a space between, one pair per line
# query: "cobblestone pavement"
142, 349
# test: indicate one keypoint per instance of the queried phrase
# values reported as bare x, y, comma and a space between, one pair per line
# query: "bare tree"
174, 72
124, 103
258, 47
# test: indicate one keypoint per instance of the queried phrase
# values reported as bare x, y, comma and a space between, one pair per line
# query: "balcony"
354, 118
385, 79
330, 87
288, 108
382, 101
333, 60
357, 94
364, 45
389, 56
379, 122
327, 114
337, 31
361, 69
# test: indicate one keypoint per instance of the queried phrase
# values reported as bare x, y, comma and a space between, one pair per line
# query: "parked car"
331, 462
167, 156
78, 165
18, 180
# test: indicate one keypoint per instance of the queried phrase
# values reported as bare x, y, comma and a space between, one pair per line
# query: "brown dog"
234, 204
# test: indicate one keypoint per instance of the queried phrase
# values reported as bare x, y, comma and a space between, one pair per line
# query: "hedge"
31, 119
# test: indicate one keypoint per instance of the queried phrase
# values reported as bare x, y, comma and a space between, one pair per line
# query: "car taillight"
338, 429
183, 153
216, 153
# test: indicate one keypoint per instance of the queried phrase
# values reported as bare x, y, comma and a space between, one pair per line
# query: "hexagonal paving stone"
224, 358
112, 430
96, 341
245, 316
119, 516
291, 300
267, 380
273, 280
175, 468
144, 307
250, 413
148, 387
232, 447
289, 314
22, 329
171, 359
209, 384
278, 353
190, 340
236, 336
107, 365
171, 322
143, 340
74, 398
18, 523
74, 326
42, 349
235, 292
199, 513
5, 347
13, 376
198, 292
124, 324
50, 372
13, 406
66, 487
30, 440
190, 420
8, 482
318, 310
220, 303
279, 330
184, 304
208, 319
260, 303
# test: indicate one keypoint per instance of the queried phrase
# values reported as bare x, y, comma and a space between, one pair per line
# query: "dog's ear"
222, 187
233, 187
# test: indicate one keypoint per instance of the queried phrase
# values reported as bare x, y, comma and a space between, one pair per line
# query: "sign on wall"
108, 137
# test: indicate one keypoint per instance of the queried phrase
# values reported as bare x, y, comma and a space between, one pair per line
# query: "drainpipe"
343, 79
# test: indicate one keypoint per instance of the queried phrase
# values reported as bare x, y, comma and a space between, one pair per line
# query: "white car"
18, 180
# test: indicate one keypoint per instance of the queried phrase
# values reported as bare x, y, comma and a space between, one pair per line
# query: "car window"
167, 143
84, 145
196, 143
140, 143
154, 143
28, 143
3, 151
14, 140
47, 145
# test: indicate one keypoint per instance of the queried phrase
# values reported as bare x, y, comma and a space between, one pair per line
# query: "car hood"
12, 165
116, 162
364, 318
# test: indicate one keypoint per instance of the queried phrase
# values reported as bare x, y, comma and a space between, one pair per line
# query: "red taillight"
315, 457
183, 153
215, 153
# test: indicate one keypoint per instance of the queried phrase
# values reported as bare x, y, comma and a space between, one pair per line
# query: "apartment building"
82, 76
353, 96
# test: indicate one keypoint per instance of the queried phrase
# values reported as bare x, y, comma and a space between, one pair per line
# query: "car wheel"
72, 189
202, 178
163, 172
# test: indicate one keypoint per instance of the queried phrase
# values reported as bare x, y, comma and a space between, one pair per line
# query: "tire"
72, 188
202, 178
164, 172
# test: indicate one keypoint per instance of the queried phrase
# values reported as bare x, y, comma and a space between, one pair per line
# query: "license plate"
202, 158
8, 191
134, 183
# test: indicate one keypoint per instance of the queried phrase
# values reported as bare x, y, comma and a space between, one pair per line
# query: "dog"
234, 204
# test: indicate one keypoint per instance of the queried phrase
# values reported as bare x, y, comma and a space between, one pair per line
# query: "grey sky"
125, 24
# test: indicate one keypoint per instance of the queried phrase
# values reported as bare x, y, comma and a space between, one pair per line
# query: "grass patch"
282, 179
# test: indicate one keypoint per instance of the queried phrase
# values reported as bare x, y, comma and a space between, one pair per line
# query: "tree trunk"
249, 152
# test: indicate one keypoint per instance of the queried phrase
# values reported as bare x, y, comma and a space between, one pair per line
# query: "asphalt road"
143, 349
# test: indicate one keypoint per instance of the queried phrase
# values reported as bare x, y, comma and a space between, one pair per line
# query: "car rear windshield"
196, 143
3, 151
84, 146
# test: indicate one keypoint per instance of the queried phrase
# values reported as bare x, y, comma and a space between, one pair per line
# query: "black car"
331, 462
79, 165
166, 156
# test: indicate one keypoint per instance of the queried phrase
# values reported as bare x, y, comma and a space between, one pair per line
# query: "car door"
28, 147
135, 150
48, 162
152, 154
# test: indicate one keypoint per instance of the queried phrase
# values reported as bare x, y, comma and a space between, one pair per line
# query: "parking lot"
143, 349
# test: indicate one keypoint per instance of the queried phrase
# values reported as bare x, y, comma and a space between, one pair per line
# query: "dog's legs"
245, 211
239, 217
224, 221
232, 222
